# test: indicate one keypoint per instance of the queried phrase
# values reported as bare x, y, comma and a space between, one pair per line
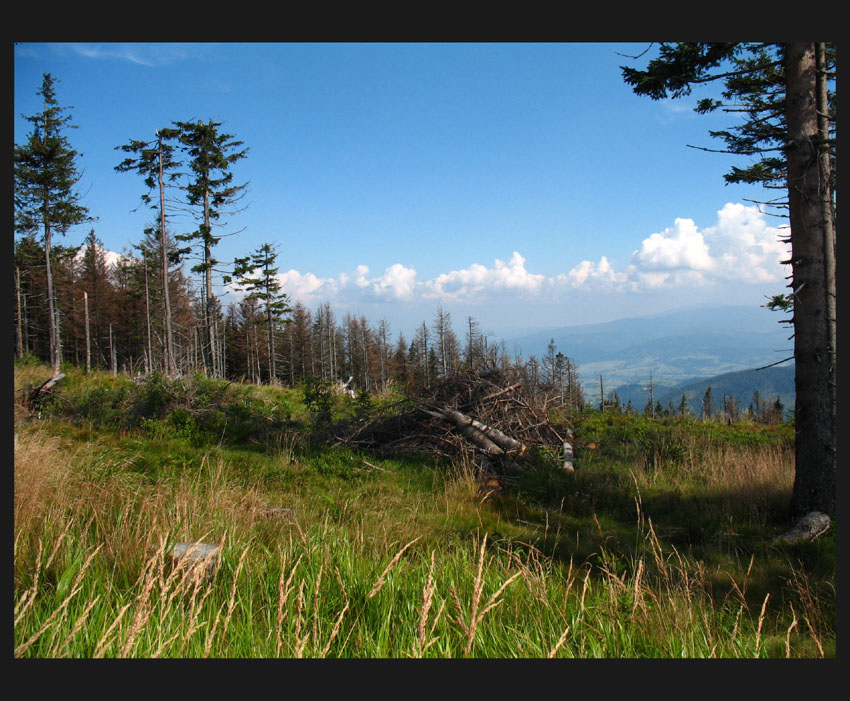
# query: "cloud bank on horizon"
736, 260
740, 247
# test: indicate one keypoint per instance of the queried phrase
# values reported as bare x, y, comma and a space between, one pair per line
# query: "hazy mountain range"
770, 383
675, 347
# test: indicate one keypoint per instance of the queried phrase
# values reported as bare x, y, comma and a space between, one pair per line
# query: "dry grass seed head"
60, 611
761, 623
379, 584
427, 600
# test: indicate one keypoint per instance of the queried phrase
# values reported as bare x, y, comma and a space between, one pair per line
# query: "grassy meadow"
658, 546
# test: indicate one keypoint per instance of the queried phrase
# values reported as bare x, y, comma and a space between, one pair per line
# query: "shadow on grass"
599, 518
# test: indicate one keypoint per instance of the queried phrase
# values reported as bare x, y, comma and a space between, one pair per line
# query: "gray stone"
807, 528
277, 512
200, 555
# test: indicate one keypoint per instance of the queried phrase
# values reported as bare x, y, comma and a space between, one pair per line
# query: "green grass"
643, 552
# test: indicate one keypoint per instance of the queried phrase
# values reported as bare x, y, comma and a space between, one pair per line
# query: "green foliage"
46, 174
363, 405
28, 360
338, 462
622, 430
319, 400
154, 397
754, 84
197, 408
211, 155
150, 159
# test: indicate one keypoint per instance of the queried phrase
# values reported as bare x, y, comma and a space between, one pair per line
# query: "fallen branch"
45, 387
491, 412
501, 392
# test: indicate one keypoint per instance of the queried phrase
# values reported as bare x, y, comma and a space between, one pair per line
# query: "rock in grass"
278, 511
200, 555
807, 528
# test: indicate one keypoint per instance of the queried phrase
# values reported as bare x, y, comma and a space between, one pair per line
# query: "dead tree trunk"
44, 387
19, 335
471, 433
491, 440
88, 333
567, 453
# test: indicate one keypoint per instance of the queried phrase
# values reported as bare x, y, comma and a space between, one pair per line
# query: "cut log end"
568, 457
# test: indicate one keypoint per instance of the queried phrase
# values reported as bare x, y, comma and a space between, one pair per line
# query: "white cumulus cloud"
476, 279
307, 287
360, 279
740, 246
681, 246
397, 282
745, 245
587, 272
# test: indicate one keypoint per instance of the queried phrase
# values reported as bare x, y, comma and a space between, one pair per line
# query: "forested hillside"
733, 394
112, 318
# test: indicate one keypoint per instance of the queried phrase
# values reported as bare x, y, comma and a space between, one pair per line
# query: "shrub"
318, 398
661, 445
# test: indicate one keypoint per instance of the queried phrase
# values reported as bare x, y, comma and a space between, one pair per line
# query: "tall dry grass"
93, 576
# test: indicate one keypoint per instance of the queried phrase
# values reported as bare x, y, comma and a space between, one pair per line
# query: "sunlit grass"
371, 557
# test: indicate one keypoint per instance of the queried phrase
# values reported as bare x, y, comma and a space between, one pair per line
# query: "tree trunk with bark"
491, 440
88, 333
19, 337
814, 484
55, 357
170, 363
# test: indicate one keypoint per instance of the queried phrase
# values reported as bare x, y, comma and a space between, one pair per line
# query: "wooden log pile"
489, 414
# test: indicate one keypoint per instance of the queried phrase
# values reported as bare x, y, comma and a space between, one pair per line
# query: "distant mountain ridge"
675, 346
770, 383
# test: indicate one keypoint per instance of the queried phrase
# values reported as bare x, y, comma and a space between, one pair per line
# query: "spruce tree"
266, 289
46, 196
211, 189
784, 120
155, 161
95, 279
707, 404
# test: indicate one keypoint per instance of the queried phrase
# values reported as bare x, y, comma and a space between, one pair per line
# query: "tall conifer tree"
155, 160
46, 196
265, 288
211, 155
784, 122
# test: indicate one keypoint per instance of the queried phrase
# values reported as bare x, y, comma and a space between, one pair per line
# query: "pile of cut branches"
491, 413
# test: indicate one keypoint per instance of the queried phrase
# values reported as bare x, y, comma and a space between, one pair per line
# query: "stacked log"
491, 415
491, 440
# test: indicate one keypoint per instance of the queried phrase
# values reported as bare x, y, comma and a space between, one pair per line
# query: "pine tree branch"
778, 362
747, 152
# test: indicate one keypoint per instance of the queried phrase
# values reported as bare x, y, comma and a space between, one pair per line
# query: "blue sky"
523, 184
